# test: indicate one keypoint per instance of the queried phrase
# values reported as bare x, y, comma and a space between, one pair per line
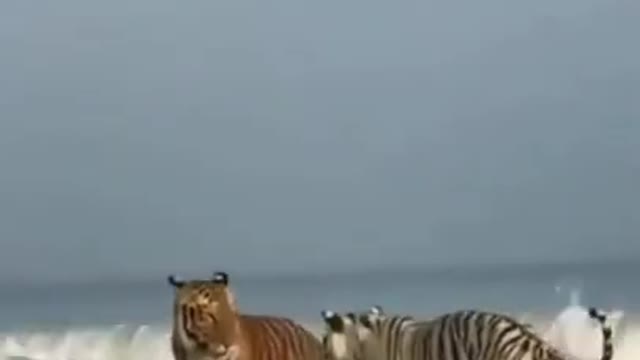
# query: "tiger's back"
478, 335
488, 335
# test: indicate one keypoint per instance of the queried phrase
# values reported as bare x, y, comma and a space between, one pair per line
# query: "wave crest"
119, 342
571, 330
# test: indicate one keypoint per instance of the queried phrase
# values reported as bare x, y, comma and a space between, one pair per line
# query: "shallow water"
131, 321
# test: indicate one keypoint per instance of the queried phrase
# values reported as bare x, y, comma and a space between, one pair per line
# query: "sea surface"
131, 319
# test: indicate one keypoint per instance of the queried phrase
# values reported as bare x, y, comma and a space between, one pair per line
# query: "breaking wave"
571, 330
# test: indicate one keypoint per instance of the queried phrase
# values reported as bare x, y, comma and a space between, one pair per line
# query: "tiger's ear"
220, 277
333, 320
174, 281
376, 310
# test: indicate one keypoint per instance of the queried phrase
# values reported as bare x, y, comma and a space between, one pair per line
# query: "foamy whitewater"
571, 330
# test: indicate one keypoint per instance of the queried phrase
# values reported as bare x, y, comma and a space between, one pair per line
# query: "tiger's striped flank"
466, 334
208, 326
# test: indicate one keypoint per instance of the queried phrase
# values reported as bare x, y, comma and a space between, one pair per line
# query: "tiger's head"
340, 340
349, 336
369, 325
370, 318
205, 316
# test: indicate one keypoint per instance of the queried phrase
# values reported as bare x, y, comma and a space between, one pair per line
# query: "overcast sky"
141, 137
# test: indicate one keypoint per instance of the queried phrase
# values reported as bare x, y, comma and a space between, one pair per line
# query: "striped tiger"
208, 326
464, 335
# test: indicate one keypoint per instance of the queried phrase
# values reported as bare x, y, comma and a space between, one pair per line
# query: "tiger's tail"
607, 341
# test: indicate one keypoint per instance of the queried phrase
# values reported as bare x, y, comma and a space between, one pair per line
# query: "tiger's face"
341, 341
205, 317
368, 324
369, 321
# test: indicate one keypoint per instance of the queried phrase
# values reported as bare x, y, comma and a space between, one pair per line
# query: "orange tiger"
208, 326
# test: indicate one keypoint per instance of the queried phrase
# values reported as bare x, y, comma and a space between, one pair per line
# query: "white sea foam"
118, 342
571, 330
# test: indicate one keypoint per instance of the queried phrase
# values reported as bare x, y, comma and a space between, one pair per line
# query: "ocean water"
131, 320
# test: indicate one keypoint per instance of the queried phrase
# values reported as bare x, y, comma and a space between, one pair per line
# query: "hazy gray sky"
147, 136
